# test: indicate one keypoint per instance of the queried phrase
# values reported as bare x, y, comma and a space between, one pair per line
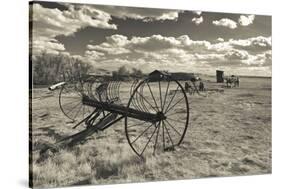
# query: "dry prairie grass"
229, 134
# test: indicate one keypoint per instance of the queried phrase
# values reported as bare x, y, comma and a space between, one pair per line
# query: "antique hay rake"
155, 114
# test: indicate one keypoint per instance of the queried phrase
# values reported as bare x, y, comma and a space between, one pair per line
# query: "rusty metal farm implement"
155, 112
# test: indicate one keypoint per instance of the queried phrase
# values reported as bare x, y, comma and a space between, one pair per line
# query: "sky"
175, 40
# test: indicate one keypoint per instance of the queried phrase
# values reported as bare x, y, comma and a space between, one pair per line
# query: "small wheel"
70, 101
167, 97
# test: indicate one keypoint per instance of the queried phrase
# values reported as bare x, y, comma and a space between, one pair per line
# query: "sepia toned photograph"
136, 94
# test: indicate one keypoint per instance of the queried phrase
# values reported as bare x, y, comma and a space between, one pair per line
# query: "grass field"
229, 134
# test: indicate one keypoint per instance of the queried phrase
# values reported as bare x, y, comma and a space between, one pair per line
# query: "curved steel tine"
116, 97
116, 92
93, 89
109, 90
106, 99
131, 92
139, 96
138, 99
112, 91
137, 102
142, 101
118, 83
135, 99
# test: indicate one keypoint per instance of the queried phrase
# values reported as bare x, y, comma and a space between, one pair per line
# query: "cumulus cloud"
225, 22
93, 54
246, 20
197, 21
153, 43
51, 46
253, 44
119, 43
177, 53
113, 45
49, 23
144, 14
220, 39
237, 55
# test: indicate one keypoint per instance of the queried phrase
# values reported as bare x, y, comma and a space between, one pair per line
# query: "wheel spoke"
78, 111
173, 113
175, 120
136, 124
156, 138
141, 134
166, 95
148, 141
175, 104
164, 125
146, 101
163, 136
172, 99
160, 92
71, 102
173, 127
73, 108
152, 96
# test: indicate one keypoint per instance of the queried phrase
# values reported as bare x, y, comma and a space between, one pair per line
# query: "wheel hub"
161, 116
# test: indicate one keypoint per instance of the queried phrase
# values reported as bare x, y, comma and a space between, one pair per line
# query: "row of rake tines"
110, 92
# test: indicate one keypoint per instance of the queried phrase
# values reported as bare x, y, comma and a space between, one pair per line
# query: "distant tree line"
50, 68
123, 74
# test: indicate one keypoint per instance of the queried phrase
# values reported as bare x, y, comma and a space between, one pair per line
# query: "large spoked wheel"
167, 97
70, 101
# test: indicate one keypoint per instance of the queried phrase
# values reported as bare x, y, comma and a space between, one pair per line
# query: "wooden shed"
220, 76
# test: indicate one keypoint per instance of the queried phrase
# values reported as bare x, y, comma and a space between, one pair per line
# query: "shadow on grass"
50, 132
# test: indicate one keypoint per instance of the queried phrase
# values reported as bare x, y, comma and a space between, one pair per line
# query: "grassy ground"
229, 134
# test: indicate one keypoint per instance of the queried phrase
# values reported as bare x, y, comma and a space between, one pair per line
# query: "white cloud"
220, 39
113, 45
254, 44
264, 58
93, 54
209, 57
49, 23
153, 43
192, 45
117, 40
108, 49
237, 55
197, 21
246, 20
178, 54
144, 14
225, 22
50, 46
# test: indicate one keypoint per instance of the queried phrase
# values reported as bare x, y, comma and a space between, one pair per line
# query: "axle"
124, 111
